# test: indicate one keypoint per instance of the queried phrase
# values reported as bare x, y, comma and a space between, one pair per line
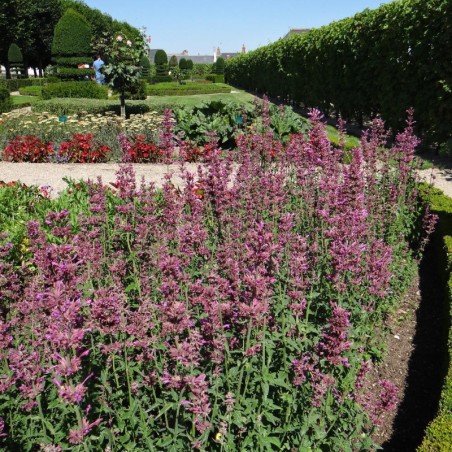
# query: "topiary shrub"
16, 59
219, 66
173, 61
161, 62
6, 103
90, 90
72, 46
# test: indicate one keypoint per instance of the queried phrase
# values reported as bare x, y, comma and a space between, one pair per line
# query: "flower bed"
235, 312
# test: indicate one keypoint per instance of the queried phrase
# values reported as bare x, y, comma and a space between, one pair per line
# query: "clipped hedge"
174, 89
5, 100
32, 90
379, 61
439, 433
85, 89
16, 84
215, 78
161, 78
93, 106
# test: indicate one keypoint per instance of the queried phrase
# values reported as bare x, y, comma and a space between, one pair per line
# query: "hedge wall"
380, 61
439, 433
87, 89
5, 100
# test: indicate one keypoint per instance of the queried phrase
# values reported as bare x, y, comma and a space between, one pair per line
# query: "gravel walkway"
50, 174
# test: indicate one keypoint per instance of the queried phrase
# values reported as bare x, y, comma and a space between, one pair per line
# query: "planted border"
439, 433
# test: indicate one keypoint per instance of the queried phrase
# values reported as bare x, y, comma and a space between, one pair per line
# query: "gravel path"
50, 174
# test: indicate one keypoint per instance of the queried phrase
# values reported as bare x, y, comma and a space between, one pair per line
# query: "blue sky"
199, 26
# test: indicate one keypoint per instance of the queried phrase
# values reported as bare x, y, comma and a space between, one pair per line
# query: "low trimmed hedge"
175, 89
215, 78
85, 89
438, 435
16, 83
33, 90
5, 100
93, 106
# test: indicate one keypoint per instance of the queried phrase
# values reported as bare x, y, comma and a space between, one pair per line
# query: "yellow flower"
218, 437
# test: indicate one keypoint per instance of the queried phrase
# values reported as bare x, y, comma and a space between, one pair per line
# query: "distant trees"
30, 24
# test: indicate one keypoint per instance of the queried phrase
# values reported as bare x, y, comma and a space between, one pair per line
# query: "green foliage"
215, 78
33, 90
380, 61
67, 106
16, 84
219, 66
72, 36
182, 64
173, 61
160, 57
85, 89
5, 100
162, 78
439, 433
175, 89
15, 54
72, 46
138, 91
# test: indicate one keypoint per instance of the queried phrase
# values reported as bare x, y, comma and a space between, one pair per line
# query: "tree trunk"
7, 70
123, 105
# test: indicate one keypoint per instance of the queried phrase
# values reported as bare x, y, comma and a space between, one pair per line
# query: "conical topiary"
71, 46
15, 58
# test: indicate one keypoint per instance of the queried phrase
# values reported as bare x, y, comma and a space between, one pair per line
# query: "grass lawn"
240, 97
21, 100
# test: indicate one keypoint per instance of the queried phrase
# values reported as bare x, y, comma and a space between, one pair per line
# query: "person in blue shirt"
97, 65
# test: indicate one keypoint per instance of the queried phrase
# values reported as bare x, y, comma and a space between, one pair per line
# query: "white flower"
119, 38
129, 43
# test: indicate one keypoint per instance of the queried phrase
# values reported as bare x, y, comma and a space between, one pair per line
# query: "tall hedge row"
379, 61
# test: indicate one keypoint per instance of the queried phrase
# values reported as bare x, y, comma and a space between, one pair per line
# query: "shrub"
215, 78
219, 66
58, 106
16, 84
83, 149
71, 41
161, 78
88, 89
439, 432
5, 100
27, 149
139, 91
15, 58
161, 63
173, 62
33, 90
175, 89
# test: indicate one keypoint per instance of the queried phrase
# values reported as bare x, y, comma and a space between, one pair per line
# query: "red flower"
83, 149
27, 149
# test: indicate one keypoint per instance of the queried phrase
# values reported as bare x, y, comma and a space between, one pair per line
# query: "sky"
200, 26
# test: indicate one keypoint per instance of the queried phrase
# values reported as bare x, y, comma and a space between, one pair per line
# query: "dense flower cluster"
83, 149
228, 313
27, 149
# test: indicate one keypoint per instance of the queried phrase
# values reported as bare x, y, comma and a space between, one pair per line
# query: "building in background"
296, 31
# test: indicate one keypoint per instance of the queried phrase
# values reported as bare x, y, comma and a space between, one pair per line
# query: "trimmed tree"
15, 59
161, 62
71, 46
173, 62
123, 71
219, 66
